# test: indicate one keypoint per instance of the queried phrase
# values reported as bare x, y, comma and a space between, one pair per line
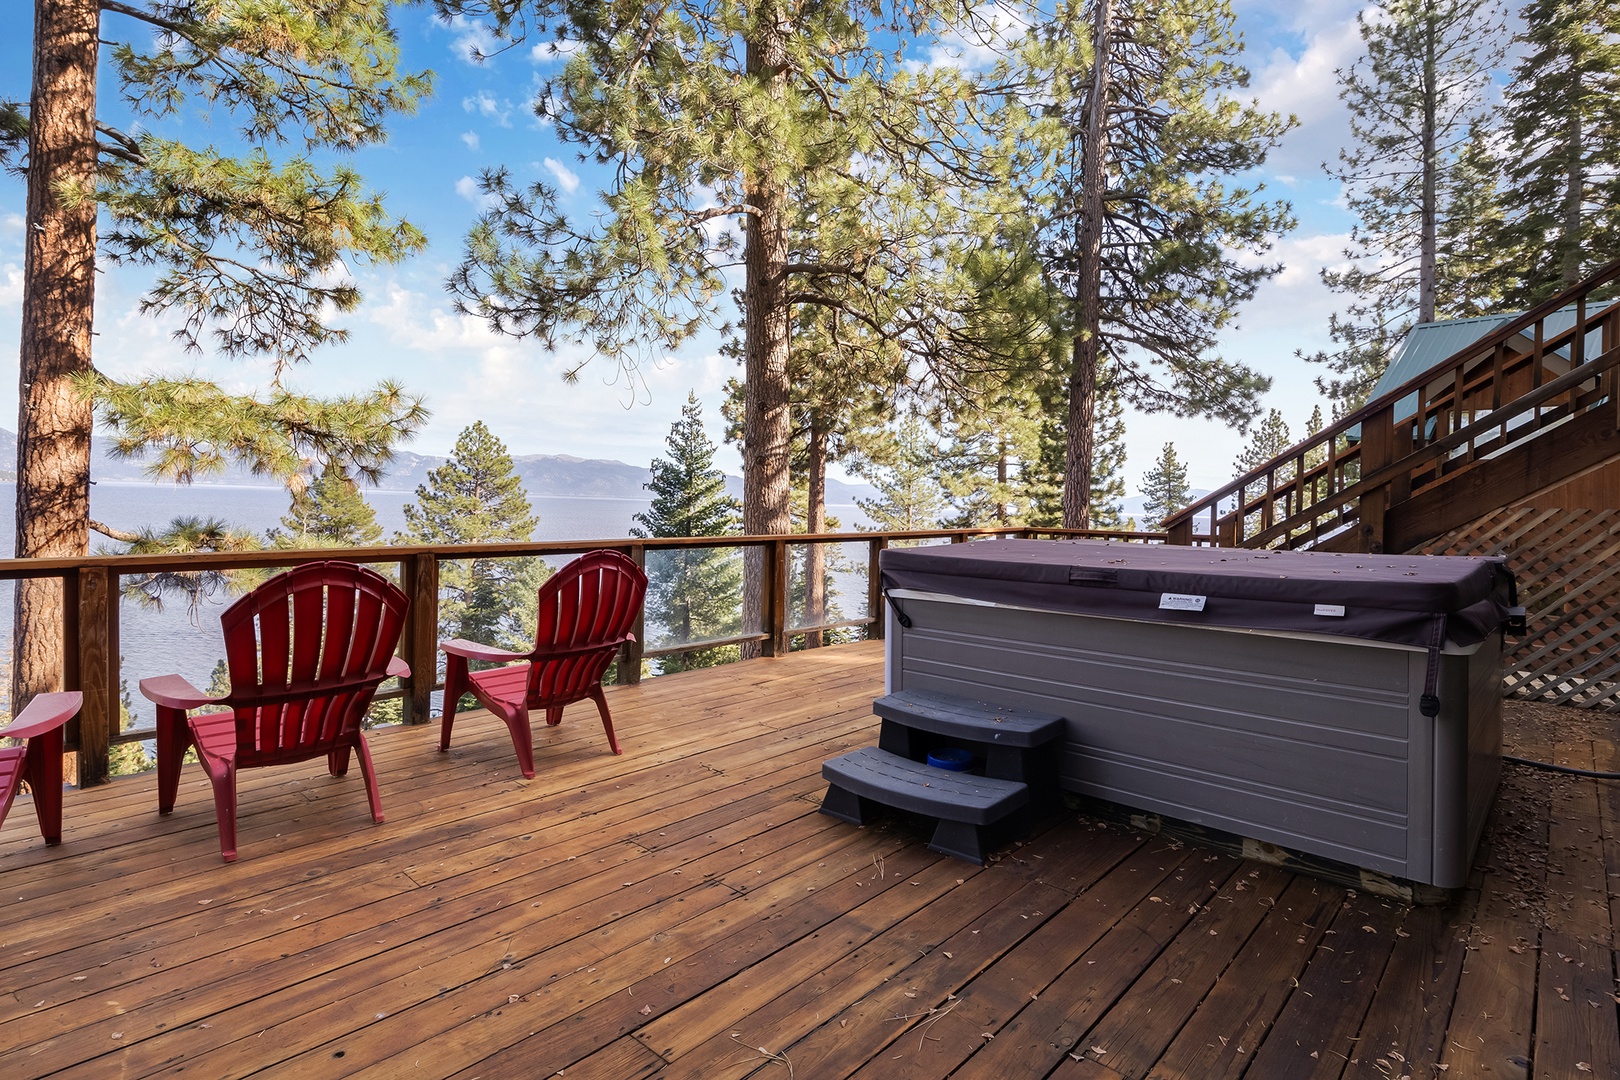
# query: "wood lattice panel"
1568, 566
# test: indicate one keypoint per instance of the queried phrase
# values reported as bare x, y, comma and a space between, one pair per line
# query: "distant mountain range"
552, 475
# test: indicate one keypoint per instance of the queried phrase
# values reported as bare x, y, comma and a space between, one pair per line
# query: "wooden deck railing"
1522, 382
91, 588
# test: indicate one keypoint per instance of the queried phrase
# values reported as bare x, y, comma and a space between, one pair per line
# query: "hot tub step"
963, 718
1013, 744
965, 805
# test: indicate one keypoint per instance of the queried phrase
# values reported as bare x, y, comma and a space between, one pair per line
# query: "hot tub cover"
1414, 600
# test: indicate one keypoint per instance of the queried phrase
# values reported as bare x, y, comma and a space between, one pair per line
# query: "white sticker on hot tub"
1180, 602
1335, 610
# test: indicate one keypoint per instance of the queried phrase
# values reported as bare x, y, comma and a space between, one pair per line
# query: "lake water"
156, 642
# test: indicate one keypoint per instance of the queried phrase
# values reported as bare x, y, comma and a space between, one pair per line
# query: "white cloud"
553, 52
567, 179
1305, 85
11, 223
487, 105
992, 32
471, 139
471, 40
468, 189
1289, 313
509, 382
11, 286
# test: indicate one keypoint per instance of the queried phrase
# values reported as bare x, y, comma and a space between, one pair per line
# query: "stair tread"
965, 718
910, 785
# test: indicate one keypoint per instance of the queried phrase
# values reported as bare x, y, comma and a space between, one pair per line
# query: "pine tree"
186, 535
330, 512
320, 74
127, 758
1164, 487
476, 497
846, 377
1562, 153
1108, 457
905, 474
1268, 440
692, 593
1471, 263
981, 461
1145, 231
851, 176
1415, 98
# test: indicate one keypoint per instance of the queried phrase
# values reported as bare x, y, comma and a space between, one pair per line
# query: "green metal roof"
1428, 344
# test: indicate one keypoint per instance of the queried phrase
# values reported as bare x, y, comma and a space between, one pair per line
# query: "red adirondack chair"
39, 761
586, 611
306, 651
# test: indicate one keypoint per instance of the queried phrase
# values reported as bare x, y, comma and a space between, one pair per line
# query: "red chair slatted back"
13, 759
306, 651
587, 610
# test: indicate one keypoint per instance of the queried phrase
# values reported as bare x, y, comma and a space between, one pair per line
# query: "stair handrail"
1180, 525
1439, 448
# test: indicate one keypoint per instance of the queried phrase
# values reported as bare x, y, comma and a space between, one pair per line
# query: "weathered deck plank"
685, 911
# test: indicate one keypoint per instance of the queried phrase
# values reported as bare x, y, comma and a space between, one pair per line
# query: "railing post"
419, 644
1377, 448
874, 588
630, 653
776, 577
90, 632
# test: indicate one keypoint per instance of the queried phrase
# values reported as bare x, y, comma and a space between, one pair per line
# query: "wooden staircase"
1520, 411
1509, 447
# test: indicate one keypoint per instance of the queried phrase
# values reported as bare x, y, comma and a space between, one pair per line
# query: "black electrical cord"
1571, 770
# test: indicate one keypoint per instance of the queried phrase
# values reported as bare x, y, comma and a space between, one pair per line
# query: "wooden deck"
684, 911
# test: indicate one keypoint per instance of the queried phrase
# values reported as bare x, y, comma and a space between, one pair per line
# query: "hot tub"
1346, 707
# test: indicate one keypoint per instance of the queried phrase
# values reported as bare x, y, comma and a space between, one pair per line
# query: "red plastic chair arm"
45, 713
474, 651
174, 692
398, 668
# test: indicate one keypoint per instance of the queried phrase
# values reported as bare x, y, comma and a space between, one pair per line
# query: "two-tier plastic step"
1008, 740
964, 804
970, 809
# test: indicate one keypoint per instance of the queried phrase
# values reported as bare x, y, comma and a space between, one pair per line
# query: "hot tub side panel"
1316, 746
1468, 757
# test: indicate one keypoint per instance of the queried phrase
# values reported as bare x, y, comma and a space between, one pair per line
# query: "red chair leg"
607, 718
224, 782
337, 762
45, 778
173, 739
373, 795
455, 684
517, 722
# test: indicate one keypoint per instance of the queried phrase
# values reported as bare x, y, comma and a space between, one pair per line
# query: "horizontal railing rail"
92, 586
1527, 377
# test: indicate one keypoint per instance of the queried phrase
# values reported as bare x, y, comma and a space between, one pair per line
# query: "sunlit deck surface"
684, 910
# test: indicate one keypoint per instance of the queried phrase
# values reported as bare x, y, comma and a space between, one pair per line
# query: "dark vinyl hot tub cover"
1422, 601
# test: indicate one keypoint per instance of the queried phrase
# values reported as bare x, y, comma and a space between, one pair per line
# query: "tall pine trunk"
815, 555
1569, 257
1431, 171
765, 336
1088, 297
1003, 509
53, 424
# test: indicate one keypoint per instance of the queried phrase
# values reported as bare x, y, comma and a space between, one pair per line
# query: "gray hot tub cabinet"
1279, 696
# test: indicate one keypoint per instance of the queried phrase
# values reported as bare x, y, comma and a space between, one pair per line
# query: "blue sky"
480, 117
